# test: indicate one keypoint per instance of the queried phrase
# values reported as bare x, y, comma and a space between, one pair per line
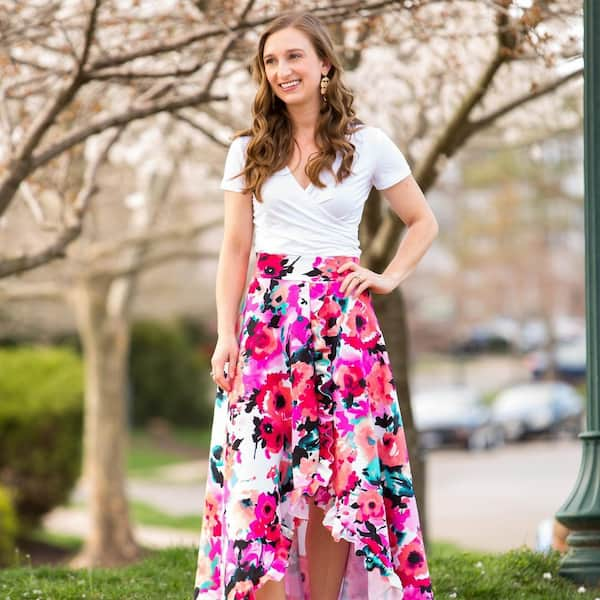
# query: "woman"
309, 492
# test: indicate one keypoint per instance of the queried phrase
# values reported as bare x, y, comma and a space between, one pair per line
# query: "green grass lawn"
146, 455
168, 575
145, 514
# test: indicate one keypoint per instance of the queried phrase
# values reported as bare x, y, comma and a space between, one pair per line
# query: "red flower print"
275, 397
269, 432
413, 561
392, 450
269, 263
254, 286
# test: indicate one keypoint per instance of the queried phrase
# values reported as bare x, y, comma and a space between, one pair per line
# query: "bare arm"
231, 278
408, 202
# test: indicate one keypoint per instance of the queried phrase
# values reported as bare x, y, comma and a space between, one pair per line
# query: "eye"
295, 55
268, 61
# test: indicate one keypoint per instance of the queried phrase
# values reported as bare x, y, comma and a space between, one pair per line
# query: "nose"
283, 70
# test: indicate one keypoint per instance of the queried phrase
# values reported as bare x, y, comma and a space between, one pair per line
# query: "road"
494, 500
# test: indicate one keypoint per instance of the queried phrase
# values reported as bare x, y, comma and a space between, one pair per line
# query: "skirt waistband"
298, 266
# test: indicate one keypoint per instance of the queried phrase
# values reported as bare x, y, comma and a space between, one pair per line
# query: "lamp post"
581, 511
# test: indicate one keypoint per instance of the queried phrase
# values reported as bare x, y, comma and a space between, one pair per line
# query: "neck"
304, 119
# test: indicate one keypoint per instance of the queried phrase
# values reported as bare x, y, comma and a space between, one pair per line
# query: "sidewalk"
175, 490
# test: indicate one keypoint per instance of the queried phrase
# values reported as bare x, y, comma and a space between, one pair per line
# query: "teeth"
289, 83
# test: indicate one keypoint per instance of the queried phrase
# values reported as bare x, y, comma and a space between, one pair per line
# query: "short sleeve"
234, 164
390, 165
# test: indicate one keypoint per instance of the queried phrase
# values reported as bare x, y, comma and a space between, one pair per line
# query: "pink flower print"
265, 509
364, 436
279, 295
380, 384
307, 466
265, 524
360, 329
211, 514
330, 314
371, 505
241, 590
302, 373
262, 341
392, 449
349, 378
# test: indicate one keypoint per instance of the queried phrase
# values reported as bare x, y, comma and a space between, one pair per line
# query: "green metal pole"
581, 511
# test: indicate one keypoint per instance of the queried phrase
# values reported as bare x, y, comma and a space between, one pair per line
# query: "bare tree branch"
21, 163
543, 90
20, 264
101, 251
11, 183
192, 123
32, 291
458, 130
152, 262
331, 13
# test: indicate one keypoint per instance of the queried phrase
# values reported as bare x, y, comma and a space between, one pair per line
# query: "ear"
326, 66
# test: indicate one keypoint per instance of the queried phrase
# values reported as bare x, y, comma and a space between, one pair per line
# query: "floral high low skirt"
313, 412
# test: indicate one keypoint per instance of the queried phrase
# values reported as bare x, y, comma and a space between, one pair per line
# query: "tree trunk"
391, 313
105, 338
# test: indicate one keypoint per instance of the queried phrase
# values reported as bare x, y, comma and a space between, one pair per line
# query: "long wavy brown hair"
271, 145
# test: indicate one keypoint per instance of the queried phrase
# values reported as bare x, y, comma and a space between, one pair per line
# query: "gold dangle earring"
324, 84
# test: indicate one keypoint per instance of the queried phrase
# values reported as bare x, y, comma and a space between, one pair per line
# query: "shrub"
8, 527
40, 427
169, 375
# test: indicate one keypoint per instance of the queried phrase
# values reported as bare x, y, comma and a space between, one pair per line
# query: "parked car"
454, 415
538, 407
570, 359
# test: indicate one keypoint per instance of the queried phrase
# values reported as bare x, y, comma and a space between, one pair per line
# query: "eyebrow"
290, 50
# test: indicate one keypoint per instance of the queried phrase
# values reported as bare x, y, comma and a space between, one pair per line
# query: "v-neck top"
314, 221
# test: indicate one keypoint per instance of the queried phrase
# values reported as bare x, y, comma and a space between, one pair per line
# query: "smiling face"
290, 58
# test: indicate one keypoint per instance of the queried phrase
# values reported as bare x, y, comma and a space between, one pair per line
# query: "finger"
232, 370
346, 265
351, 268
233, 361
362, 287
348, 279
219, 378
353, 283
227, 375
217, 372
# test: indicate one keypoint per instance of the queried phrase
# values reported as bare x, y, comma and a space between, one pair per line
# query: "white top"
314, 221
